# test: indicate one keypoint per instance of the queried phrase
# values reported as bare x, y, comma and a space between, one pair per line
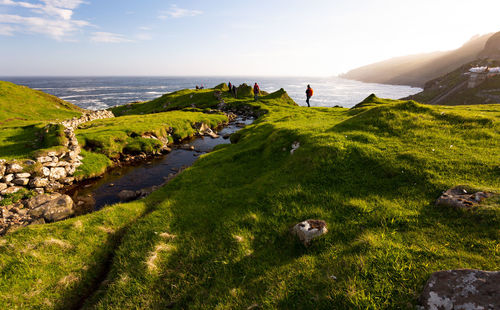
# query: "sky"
235, 38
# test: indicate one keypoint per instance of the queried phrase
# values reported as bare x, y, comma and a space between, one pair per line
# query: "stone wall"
47, 173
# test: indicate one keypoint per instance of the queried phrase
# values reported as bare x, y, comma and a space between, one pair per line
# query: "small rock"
46, 171
30, 162
22, 175
44, 159
14, 168
57, 173
39, 191
295, 146
127, 195
8, 178
21, 181
309, 229
10, 190
226, 136
462, 289
3, 186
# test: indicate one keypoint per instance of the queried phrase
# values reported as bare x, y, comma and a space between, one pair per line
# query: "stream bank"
138, 179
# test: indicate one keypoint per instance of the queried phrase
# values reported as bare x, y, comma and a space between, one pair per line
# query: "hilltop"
416, 70
217, 236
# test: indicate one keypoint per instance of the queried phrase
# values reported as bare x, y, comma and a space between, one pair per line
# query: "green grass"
24, 114
217, 235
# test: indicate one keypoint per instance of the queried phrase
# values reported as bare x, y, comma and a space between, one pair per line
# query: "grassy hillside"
217, 235
20, 103
485, 93
24, 113
416, 70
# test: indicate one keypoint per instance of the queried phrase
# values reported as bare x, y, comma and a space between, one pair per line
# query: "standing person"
230, 87
256, 91
309, 94
235, 92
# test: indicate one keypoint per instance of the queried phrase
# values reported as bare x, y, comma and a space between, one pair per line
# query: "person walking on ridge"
256, 91
309, 94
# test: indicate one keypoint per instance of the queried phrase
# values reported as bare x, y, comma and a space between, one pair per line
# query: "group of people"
200, 87
256, 91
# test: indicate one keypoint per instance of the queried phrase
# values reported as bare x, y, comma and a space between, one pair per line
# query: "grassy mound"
24, 116
217, 235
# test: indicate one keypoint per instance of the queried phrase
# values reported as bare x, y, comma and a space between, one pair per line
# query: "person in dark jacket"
235, 92
309, 94
256, 91
230, 87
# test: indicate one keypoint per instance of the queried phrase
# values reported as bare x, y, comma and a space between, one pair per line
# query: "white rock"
22, 175
14, 168
8, 178
295, 146
39, 182
44, 159
309, 229
3, 186
57, 173
46, 171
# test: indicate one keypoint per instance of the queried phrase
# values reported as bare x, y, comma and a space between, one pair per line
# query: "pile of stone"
37, 210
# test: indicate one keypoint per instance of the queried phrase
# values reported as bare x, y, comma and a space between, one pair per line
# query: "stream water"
96, 193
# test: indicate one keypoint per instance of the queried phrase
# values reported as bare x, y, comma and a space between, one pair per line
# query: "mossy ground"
24, 114
217, 235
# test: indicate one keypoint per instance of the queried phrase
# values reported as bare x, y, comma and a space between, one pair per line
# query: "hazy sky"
189, 37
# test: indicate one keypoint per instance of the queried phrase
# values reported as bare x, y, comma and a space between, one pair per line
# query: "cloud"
108, 37
177, 12
50, 17
6, 30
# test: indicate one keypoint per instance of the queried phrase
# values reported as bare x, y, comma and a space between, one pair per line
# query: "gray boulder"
52, 208
126, 195
462, 289
461, 198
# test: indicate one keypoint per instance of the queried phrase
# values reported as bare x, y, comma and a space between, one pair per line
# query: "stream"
92, 195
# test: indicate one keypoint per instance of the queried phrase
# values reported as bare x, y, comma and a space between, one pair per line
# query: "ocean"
96, 93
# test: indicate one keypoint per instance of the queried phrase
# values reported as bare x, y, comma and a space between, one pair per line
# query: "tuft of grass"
93, 165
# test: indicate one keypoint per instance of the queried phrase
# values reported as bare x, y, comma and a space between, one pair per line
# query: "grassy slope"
217, 236
24, 113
